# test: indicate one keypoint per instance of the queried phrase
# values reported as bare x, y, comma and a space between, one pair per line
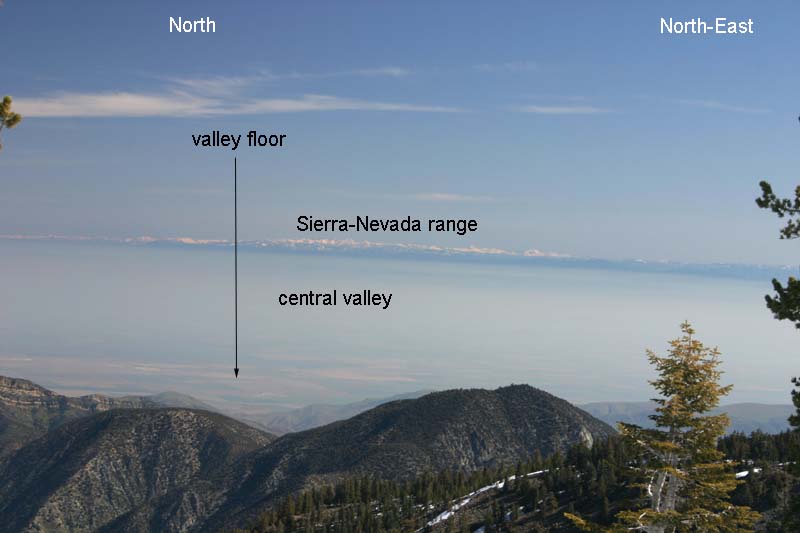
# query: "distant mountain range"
745, 417
314, 415
400, 250
83, 464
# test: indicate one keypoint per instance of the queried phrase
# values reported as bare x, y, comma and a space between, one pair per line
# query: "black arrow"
235, 270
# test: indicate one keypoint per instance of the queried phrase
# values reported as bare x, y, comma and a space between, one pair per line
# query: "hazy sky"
120, 319
575, 128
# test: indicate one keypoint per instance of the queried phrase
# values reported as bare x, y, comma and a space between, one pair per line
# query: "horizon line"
367, 248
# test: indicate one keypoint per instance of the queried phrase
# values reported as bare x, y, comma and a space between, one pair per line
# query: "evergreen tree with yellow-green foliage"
684, 480
8, 119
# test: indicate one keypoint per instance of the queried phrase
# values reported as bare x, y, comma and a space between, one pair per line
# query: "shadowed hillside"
137, 469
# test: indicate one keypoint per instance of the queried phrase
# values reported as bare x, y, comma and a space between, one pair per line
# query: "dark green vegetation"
772, 482
463, 430
530, 495
595, 483
168, 469
785, 305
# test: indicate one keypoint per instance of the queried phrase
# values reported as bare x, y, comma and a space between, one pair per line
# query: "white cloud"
562, 109
146, 368
227, 85
217, 85
114, 104
216, 95
393, 72
720, 106
318, 102
184, 104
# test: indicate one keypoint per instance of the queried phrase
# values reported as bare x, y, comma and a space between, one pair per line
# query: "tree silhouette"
785, 304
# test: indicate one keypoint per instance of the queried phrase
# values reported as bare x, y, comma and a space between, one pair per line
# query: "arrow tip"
236, 372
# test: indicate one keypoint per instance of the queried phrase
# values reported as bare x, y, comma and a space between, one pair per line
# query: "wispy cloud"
317, 102
146, 368
450, 197
393, 72
227, 85
562, 109
125, 104
509, 66
215, 85
217, 95
556, 97
721, 106
184, 104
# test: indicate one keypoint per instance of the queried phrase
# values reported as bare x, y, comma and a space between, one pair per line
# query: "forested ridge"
531, 496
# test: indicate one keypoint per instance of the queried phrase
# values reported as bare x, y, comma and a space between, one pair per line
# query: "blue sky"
576, 128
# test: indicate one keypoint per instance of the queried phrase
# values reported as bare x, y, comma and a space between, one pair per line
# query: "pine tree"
794, 420
785, 305
8, 119
686, 483
791, 519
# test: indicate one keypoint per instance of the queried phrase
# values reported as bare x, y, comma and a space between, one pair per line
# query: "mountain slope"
458, 429
28, 410
187, 470
745, 417
133, 469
